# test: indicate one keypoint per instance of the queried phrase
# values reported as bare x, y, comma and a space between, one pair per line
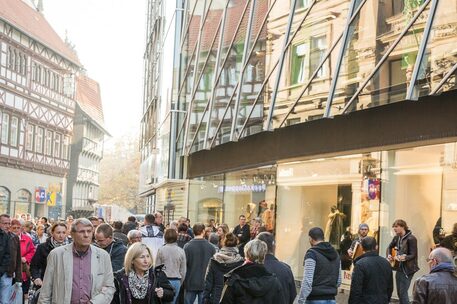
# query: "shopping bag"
16, 295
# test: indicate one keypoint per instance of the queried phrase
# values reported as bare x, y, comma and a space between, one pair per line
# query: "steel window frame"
386, 55
412, 92
444, 80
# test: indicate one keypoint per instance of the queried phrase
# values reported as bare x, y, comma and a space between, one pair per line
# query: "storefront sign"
242, 188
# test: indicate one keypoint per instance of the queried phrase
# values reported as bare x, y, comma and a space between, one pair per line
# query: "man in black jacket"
115, 248
14, 269
243, 233
403, 250
198, 253
372, 281
322, 275
280, 269
5, 260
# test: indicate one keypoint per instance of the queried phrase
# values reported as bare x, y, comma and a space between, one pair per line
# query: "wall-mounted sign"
242, 188
40, 195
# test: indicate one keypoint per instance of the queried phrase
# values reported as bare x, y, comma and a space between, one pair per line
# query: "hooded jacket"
322, 273
251, 283
117, 252
440, 286
221, 263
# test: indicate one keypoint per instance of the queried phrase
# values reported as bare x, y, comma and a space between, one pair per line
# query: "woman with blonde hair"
138, 282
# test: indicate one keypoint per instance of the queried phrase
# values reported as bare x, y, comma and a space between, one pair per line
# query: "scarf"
138, 286
56, 244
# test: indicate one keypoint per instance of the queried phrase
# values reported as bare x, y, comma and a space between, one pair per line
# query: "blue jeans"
6, 287
403, 283
189, 297
176, 285
320, 302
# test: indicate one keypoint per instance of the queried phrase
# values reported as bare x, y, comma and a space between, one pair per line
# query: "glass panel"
320, 32
255, 72
370, 36
441, 51
4, 200
231, 66
205, 73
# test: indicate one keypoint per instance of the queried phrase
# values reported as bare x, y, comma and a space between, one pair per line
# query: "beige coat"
58, 278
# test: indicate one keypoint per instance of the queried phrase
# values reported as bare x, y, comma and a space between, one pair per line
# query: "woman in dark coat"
39, 261
251, 283
221, 263
138, 282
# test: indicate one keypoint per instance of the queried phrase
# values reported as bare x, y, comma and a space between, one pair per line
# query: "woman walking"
221, 263
174, 259
138, 282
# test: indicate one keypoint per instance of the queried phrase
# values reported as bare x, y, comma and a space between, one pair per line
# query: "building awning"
405, 124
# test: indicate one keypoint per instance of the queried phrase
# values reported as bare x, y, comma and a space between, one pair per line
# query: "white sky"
109, 36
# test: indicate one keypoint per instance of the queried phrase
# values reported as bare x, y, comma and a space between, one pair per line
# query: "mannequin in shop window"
267, 215
250, 215
334, 229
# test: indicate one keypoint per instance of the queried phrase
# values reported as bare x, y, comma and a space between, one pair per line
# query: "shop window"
5, 128
29, 138
23, 202
39, 140
14, 131
299, 63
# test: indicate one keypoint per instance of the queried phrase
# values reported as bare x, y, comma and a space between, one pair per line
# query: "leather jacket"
406, 245
440, 286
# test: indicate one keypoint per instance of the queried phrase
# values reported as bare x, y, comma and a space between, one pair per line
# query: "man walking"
372, 281
402, 252
152, 235
321, 277
280, 269
440, 286
5, 260
78, 272
115, 248
243, 233
198, 253
14, 268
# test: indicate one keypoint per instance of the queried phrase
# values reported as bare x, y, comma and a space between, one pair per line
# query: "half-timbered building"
37, 107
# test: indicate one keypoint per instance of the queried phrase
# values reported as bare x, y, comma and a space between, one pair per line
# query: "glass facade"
251, 66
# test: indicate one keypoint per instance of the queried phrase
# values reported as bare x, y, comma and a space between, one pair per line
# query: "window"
39, 140
14, 131
29, 138
17, 61
303, 3
306, 57
66, 143
57, 138
48, 143
5, 128
318, 48
299, 62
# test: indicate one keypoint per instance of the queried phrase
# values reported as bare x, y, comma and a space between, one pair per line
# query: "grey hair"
132, 233
174, 225
255, 251
213, 238
81, 221
442, 255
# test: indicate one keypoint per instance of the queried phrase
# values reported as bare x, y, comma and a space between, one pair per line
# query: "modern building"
317, 113
159, 183
87, 146
37, 108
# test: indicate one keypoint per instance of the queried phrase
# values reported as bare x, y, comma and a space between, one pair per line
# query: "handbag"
16, 295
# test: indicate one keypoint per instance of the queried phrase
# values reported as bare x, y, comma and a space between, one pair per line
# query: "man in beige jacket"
79, 272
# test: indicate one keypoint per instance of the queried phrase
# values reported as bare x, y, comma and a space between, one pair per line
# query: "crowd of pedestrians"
86, 260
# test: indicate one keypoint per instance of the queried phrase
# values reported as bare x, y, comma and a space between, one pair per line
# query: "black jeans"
403, 282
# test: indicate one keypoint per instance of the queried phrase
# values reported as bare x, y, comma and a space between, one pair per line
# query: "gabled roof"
89, 100
32, 23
